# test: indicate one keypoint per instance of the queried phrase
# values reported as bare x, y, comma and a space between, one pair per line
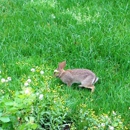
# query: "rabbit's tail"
95, 80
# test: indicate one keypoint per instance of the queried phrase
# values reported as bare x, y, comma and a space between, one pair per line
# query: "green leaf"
34, 126
5, 119
115, 124
9, 103
1, 128
32, 119
26, 119
0, 114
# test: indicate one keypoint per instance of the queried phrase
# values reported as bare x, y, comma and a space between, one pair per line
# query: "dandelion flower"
3, 80
41, 72
41, 96
33, 70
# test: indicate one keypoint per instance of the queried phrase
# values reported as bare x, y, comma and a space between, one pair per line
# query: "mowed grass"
87, 34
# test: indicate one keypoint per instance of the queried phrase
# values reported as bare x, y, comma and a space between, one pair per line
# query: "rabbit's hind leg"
88, 83
90, 87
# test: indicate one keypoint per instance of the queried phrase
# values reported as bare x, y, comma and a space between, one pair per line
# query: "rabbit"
84, 76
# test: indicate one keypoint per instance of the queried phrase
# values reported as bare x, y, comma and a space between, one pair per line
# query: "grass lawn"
87, 34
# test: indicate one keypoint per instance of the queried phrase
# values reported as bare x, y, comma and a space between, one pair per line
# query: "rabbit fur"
84, 76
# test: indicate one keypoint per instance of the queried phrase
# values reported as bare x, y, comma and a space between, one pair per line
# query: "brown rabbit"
84, 76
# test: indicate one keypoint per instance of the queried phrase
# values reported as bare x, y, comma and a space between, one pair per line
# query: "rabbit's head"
58, 72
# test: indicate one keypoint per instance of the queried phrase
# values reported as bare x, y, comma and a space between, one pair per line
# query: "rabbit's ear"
62, 65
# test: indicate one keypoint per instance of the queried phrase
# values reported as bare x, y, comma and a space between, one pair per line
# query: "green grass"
87, 34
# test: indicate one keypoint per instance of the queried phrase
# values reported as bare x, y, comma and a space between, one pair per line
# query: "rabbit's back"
80, 74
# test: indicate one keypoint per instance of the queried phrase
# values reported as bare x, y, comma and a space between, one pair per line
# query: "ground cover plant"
37, 34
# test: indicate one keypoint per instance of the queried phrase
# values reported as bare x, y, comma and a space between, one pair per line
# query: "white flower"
41, 72
37, 94
41, 96
27, 91
26, 84
33, 70
3, 80
111, 128
9, 79
29, 81
0, 71
103, 124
